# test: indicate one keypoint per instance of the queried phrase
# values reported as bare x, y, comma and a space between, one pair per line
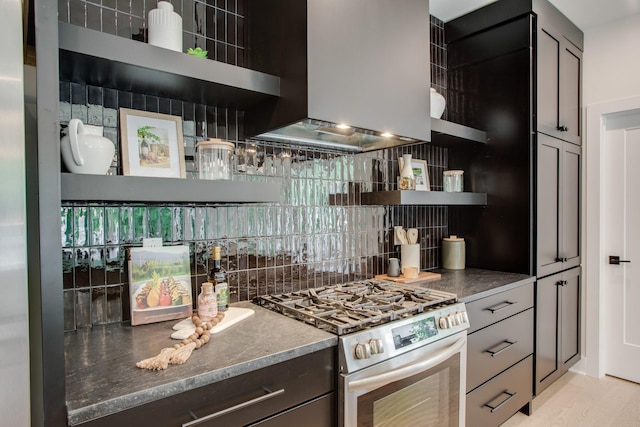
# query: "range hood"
354, 73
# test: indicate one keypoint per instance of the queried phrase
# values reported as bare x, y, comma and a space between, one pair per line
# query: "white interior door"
622, 238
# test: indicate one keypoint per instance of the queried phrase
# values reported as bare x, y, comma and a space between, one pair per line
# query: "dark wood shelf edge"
96, 58
447, 133
118, 188
423, 198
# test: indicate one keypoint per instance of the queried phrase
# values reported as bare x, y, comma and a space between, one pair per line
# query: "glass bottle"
207, 302
218, 277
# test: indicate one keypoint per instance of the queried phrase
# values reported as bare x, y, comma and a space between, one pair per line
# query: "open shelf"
102, 59
404, 197
118, 188
448, 134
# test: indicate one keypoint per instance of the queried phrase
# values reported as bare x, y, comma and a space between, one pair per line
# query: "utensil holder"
410, 256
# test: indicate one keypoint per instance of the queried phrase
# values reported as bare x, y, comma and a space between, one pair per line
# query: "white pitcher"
85, 150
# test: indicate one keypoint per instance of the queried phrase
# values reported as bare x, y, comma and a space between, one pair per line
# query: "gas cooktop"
355, 306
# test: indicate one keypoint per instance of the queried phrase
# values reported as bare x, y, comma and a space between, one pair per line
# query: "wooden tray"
423, 276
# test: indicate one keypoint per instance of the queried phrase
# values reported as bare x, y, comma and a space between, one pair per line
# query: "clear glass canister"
214, 159
452, 181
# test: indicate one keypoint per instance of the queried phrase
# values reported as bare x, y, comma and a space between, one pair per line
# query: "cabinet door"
559, 86
558, 205
569, 318
547, 331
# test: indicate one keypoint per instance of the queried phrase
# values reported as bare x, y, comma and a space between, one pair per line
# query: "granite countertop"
102, 377
472, 283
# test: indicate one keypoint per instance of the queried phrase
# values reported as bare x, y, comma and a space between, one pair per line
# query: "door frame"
593, 362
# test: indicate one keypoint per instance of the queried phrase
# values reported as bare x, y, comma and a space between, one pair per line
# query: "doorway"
613, 134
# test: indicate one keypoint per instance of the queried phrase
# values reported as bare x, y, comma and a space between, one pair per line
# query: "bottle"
207, 302
218, 277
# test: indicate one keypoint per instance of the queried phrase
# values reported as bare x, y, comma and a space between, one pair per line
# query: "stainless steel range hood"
354, 73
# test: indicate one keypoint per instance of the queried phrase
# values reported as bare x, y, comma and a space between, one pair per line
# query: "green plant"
143, 133
197, 52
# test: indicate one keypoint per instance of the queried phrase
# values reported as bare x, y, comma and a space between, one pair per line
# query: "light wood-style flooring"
580, 400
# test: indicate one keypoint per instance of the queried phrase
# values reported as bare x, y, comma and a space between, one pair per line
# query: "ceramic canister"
453, 253
165, 27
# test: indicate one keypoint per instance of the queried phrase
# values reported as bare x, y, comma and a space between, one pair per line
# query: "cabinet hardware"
270, 394
615, 260
561, 282
501, 404
495, 353
561, 259
562, 128
501, 306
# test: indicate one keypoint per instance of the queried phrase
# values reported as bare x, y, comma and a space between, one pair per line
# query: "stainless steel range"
402, 350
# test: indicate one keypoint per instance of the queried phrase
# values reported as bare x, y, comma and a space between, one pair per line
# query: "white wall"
611, 73
612, 61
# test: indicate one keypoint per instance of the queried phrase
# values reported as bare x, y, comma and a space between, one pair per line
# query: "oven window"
428, 399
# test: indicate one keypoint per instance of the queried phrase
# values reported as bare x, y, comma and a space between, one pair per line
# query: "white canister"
165, 27
410, 256
453, 253
214, 159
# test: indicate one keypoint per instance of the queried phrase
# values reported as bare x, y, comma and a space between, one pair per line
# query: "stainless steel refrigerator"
14, 315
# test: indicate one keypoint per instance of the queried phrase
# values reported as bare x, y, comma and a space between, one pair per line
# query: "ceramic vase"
85, 150
406, 181
165, 27
437, 104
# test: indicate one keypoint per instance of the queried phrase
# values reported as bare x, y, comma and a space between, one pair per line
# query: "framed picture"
420, 172
160, 284
151, 144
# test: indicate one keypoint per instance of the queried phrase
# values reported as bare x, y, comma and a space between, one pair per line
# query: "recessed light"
386, 135
343, 126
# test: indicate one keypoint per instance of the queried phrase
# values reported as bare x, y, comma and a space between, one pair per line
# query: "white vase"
165, 27
406, 181
437, 104
85, 150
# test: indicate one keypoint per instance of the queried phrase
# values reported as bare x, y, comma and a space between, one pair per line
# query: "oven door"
424, 387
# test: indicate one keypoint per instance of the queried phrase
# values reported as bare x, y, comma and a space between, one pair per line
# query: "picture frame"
152, 144
421, 173
159, 284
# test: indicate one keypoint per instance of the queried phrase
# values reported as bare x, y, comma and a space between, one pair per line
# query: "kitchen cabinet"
557, 326
499, 356
559, 89
558, 207
282, 395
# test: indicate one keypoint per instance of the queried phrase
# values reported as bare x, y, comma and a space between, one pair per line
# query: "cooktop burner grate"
355, 306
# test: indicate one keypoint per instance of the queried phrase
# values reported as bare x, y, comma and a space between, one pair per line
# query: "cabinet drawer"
239, 400
492, 309
317, 413
493, 349
494, 402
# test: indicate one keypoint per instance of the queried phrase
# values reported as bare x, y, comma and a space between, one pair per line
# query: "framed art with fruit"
160, 284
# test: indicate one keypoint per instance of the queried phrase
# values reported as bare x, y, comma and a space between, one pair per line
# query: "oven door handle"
409, 370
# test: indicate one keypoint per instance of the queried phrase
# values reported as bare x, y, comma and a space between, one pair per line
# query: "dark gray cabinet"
558, 205
499, 356
559, 85
557, 326
280, 395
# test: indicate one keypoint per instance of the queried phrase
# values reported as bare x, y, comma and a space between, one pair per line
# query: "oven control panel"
371, 346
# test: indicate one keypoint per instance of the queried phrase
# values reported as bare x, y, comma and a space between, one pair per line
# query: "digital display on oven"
414, 332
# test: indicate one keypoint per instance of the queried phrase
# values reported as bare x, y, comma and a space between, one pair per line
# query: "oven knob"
376, 345
443, 323
460, 318
363, 351
452, 320
465, 318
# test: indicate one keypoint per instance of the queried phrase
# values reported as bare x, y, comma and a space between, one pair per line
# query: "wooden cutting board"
422, 277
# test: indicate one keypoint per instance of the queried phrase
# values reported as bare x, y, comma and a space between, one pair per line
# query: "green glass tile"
97, 267
114, 264
66, 226
189, 222
139, 224
199, 224
153, 222
81, 226
166, 224
98, 306
126, 224
177, 224
211, 223
96, 215
112, 225
114, 304
83, 308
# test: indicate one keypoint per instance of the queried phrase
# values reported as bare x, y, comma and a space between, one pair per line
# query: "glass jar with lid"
452, 181
214, 159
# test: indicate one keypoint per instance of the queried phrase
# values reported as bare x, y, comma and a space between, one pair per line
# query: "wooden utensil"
402, 235
412, 236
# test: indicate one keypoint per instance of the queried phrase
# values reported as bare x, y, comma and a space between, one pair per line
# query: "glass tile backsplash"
318, 234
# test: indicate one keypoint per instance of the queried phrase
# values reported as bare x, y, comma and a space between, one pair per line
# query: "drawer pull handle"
501, 306
501, 404
495, 353
270, 394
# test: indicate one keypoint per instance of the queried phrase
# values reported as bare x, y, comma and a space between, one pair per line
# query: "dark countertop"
472, 283
102, 377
